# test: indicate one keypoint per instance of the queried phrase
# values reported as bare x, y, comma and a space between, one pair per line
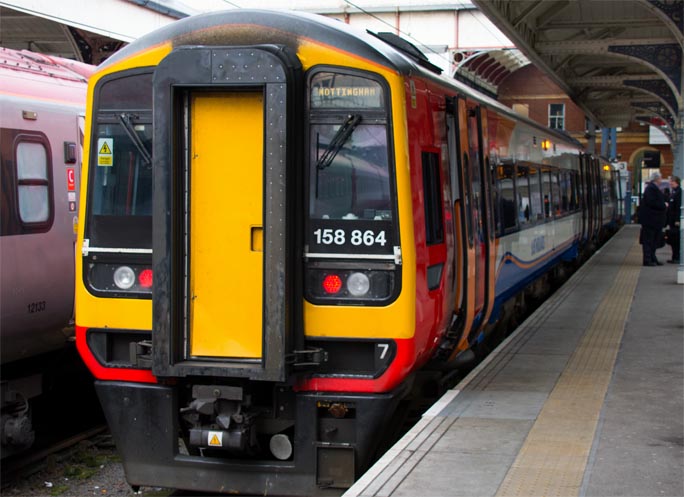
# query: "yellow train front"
242, 293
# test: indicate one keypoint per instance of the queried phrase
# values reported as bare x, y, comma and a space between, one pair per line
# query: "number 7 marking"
385, 348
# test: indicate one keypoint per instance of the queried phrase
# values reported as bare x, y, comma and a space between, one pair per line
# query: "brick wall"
529, 87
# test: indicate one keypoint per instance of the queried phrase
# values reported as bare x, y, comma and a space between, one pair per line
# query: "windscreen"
350, 171
355, 184
120, 174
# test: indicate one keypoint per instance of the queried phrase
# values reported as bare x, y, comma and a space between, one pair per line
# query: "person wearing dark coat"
652, 216
674, 206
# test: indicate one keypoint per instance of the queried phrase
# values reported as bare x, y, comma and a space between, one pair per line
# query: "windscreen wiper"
126, 121
338, 141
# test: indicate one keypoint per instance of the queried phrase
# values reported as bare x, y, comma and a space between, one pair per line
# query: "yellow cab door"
226, 298
226, 213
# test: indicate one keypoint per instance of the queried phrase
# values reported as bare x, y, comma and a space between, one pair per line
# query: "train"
41, 129
286, 223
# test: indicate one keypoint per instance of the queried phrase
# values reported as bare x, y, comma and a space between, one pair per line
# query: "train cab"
285, 222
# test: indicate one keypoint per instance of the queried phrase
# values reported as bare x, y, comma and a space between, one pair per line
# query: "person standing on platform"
652, 216
673, 213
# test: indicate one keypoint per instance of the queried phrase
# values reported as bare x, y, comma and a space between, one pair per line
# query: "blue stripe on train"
512, 278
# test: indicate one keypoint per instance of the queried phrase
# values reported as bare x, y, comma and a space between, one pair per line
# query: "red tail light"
332, 283
145, 278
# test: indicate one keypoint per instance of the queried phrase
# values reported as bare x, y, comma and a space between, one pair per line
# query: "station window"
33, 183
557, 116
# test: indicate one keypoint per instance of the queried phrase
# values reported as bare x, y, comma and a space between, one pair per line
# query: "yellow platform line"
554, 455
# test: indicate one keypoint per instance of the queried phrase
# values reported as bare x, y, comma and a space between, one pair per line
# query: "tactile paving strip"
554, 455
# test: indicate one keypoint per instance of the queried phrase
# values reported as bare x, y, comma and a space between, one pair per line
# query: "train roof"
254, 26
28, 74
267, 26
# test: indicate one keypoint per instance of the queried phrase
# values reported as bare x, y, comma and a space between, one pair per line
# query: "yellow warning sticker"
105, 151
215, 439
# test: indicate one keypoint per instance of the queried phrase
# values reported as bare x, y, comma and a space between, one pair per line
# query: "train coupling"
218, 419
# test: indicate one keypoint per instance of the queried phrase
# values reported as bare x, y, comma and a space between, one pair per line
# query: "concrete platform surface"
585, 398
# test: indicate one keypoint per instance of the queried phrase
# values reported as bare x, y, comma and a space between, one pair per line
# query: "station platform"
584, 398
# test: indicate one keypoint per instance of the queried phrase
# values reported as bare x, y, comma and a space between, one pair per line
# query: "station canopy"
487, 69
620, 61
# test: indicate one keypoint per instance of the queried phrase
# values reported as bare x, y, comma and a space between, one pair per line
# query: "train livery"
284, 222
41, 128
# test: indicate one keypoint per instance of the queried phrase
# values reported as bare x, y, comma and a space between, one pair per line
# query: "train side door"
594, 199
488, 206
478, 208
464, 260
587, 203
473, 215
617, 195
598, 195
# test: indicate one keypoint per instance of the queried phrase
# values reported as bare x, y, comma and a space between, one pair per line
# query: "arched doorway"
636, 164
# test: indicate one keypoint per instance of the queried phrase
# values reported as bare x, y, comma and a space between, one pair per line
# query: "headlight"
358, 284
124, 277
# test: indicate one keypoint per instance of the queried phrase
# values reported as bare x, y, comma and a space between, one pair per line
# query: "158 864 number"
369, 238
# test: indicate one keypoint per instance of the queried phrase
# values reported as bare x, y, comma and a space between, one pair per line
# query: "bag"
660, 239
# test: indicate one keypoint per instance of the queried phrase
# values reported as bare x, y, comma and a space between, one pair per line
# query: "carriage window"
565, 190
434, 226
581, 185
607, 190
505, 186
572, 192
555, 193
522, 187
546, 192
33, 183
535, 194
613, 188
